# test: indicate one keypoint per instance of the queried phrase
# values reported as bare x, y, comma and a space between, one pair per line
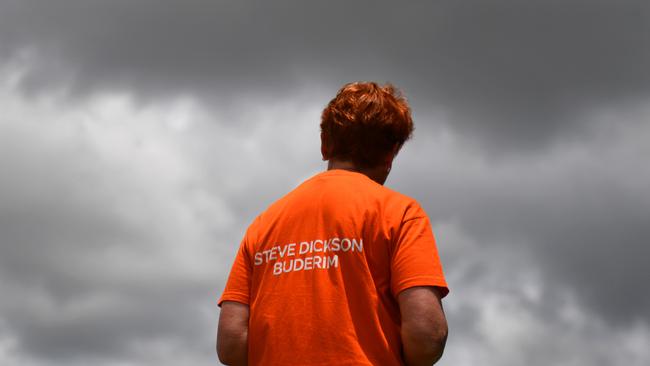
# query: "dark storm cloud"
582, 210
509, 73
99, 244
118, 224
525, 148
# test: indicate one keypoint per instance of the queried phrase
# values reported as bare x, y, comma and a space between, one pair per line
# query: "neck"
378, 173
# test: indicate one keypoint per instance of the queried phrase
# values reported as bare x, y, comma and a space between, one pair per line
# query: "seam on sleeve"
234, 296
435, 281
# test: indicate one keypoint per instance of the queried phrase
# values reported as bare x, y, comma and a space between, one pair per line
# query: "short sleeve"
239, 280
415, 260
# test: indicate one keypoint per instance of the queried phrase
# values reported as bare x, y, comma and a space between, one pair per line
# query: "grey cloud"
509, 73
58, 283
100, 261
582, 210
524, 142
503, 310
118, 228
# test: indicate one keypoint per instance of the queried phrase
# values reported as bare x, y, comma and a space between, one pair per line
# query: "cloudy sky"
138, 139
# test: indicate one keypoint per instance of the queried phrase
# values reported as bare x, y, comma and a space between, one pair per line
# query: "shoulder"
406, 206
271, 212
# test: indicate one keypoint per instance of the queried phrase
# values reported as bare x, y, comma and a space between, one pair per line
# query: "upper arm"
232, 333
422, 313
233, 319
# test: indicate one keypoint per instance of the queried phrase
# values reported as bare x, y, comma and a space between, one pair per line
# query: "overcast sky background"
138, 139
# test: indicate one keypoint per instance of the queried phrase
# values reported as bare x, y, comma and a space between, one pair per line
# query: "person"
342, 270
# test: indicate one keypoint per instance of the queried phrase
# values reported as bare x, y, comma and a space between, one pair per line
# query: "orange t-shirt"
321, 269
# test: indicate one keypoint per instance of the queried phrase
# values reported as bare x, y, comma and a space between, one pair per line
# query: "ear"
324, 146
388, 159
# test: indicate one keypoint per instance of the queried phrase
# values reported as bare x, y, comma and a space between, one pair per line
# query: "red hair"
365, 122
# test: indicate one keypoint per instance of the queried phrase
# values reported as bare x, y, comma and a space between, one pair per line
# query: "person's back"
322, 269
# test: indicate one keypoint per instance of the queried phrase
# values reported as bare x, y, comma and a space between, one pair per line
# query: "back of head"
365, 122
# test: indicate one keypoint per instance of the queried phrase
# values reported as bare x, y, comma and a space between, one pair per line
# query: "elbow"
232, 353
435, 344
232, 348
439, 340
225, 358
222, 354
424, 346
440, 334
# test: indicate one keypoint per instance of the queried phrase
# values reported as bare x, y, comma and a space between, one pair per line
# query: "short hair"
366, 121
